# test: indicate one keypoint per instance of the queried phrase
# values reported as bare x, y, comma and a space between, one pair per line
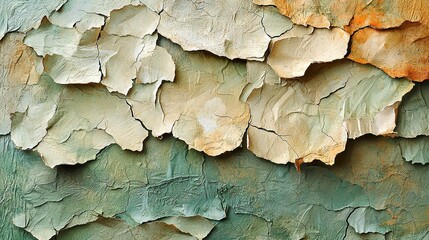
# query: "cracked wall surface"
203, 119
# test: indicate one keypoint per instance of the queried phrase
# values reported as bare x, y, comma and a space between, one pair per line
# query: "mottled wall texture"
214, 119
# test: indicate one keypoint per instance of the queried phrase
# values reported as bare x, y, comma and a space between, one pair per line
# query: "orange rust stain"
298, 163
406, 48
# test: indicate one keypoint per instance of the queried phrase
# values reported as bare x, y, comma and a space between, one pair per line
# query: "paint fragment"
312, 117
229, 28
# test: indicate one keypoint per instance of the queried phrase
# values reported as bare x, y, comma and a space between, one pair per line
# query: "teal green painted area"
413, 113
135, 186
371, 192
117, 229
15, 167
415, 150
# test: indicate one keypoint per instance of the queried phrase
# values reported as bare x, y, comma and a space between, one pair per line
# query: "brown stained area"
22, 60
298, 163
397, 30
373, 161
400, 52
393, 220
417, 223
18, 68
216, 142
353, 15
376, 164
391, 35
373, 19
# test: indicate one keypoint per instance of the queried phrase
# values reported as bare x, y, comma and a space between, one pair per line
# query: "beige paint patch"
37, 106
69, 57
19, 66
258, 74
88, 119
86, 14
122, 67
291, 55
226, 28
21, 16
201, 107
136, 21
311, 117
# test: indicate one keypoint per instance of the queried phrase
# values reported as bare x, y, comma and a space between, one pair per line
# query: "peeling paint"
155, 119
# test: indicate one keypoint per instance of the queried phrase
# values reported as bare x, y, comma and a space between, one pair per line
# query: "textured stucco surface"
204, 119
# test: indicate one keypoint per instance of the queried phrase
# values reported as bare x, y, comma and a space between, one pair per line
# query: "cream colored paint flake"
156, 67
19, 67
201, 107
86, 14
136, 21
226, 28
274, 23
37, 106
197, 226
258, 74
23, 15
49, 39
69, 57
111, 56
88, 119
80, 147
291, 55
311, 117
129, 35
122, 67
82, 68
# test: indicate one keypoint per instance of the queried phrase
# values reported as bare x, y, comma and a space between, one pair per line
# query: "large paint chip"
23, 15
201, 107
69, 57
37, 106
87, 120
312, 117
111, 56
85, 15
120, 70
274, 23
292, 53
227, 28
400, 52
137, 21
